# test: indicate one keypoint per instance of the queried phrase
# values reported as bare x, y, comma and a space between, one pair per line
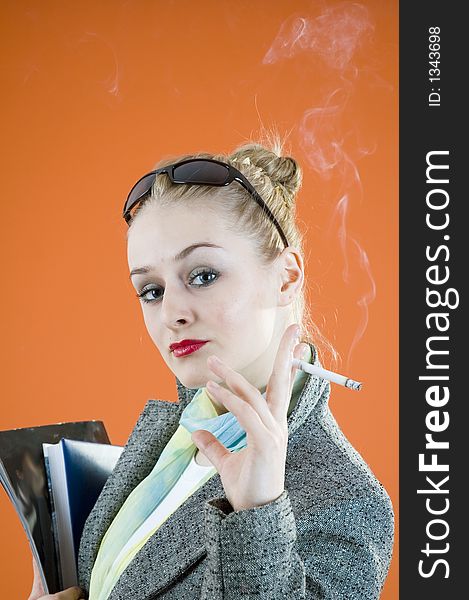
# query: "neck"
216, 405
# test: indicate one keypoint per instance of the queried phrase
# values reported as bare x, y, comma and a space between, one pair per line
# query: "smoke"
334, 36
112, 82
353, 253
332, 39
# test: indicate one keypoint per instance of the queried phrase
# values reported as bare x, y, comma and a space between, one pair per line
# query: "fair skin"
245, 311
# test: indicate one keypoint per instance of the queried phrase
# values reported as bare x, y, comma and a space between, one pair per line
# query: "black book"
54, 490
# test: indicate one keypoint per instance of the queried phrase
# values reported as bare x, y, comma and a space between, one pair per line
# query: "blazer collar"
162, 553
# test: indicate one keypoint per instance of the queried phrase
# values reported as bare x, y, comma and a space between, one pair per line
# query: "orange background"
93, 95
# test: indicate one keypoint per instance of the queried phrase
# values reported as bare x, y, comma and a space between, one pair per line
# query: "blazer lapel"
177, 544
153, 430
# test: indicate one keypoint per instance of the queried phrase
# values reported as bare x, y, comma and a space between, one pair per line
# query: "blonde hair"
278, 180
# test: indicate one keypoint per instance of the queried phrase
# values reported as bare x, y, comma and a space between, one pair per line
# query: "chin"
191, 384
190, 380
192, 370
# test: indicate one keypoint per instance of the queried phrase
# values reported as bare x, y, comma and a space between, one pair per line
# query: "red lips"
186, 347
183, 343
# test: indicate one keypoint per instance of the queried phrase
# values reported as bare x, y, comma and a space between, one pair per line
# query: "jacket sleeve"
341, 551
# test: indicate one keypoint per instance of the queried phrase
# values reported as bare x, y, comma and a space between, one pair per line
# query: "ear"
291, 275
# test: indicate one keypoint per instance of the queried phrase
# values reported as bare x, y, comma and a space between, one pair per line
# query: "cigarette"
351, 384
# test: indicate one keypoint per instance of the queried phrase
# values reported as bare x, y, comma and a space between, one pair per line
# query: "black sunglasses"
201, 171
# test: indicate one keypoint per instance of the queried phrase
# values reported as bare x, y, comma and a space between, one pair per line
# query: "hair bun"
255, 160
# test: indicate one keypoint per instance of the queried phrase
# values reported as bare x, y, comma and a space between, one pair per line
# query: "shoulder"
157, 419
332, 488
322, 461
347, 544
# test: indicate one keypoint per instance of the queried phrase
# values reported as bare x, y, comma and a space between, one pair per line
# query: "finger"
241, 387
37, 589
279, 386
71, 593
210, 447
247, 417
299, 353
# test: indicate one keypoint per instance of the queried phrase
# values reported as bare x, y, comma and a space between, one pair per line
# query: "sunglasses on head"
201, 171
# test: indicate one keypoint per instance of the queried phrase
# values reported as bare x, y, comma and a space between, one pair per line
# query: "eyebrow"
179, 256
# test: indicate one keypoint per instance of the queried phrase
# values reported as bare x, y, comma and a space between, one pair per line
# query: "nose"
176, 306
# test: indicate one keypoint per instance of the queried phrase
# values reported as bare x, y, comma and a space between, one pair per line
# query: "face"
220, 294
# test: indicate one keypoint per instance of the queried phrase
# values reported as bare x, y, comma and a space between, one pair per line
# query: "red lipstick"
185, 347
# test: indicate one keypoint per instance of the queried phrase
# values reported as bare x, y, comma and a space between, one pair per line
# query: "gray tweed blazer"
329, 535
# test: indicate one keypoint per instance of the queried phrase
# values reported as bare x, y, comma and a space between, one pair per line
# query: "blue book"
77, 472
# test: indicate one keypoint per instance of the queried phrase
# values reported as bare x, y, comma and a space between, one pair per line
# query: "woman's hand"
254, 475
38, 593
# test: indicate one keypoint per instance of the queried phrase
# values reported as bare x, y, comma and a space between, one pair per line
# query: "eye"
202, 273
204, 276
145, 291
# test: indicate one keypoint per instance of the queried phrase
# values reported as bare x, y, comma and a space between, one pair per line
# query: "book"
24, 478
76, 473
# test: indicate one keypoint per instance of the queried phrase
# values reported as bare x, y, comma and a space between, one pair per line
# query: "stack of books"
53, 475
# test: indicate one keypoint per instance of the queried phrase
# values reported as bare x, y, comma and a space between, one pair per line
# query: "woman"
245, 487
